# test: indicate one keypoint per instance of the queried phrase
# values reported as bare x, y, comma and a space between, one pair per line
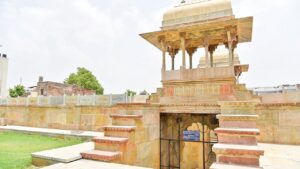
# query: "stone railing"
198, 74
79, 100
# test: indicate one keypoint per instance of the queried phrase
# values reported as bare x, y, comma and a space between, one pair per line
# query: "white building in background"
276, 89
3, 75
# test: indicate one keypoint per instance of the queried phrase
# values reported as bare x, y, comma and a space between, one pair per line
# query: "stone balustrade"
79, 100
198, 74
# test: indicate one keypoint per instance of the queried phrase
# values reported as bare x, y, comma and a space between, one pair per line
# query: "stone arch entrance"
186, 140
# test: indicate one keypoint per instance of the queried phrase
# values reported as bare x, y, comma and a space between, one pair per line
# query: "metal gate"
172, 129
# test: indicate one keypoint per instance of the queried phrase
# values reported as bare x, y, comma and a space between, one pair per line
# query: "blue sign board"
191, 135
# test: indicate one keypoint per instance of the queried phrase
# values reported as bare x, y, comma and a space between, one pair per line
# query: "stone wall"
147, 139
145, 150
285, 97
279, 123
67, 117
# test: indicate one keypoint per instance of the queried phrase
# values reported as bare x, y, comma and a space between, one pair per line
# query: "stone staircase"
237, 147
118, 143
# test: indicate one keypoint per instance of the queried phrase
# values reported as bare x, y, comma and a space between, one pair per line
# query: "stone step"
243, 136
228, 166
119, 131
60, 155
237, 117
236, 160
120, 128
106, 156
237, 139
234, 149
238, 154
110, 143
112, 140
238, 131
237, 121
126, 120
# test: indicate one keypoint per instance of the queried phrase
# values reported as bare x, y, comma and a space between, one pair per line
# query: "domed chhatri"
194, 11
204, 24
198, 23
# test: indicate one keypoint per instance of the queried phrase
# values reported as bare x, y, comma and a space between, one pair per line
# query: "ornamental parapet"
202, 74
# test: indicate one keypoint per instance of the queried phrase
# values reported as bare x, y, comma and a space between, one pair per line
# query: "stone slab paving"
276, 157
226, 166
48, 131
65, 154
88, 164
280, 156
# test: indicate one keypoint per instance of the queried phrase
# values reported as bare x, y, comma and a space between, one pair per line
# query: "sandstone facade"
152, 134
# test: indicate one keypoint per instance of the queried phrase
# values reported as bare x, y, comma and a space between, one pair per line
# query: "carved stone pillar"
206, 45
172, 53
191, 51
206, 56
163, 46
183, 49
173, 62
230, 45
211, 49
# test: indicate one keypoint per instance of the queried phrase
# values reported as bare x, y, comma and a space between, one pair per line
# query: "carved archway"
185, 153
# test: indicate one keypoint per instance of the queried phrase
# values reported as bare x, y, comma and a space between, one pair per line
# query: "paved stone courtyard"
280, 156
276, 157
88, 164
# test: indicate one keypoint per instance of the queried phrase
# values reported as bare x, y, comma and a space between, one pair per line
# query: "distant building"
31, 91
276, 89
3, 75
48, 88
144, 92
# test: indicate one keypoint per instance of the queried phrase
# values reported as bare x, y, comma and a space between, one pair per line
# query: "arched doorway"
186, 140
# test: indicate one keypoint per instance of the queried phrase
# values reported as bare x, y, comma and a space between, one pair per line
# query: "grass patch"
16, 148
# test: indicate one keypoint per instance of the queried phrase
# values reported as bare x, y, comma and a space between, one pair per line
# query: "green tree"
18, 90
130, 92
85, 79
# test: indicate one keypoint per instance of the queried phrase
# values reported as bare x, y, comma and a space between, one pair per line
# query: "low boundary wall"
278, 123
91, 118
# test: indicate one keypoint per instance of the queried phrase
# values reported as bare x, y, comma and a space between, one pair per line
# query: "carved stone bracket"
191, 51
231, 44
172, 52
211, 49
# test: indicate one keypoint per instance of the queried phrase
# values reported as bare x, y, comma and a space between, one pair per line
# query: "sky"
51, 38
